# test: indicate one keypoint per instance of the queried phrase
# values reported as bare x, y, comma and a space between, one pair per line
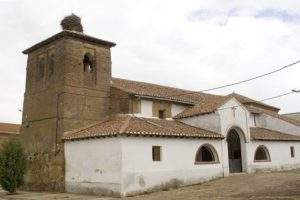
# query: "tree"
12, 165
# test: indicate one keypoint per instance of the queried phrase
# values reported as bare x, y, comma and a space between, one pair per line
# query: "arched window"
206, 154
262, 154
40, 68
88, 63
51, 65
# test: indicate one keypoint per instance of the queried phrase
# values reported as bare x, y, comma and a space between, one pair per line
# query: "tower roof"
72, 28
72, 34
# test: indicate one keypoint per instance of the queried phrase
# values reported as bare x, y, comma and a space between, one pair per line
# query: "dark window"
161, 114
292, 151
206, 153
88, 63
156, 153
40, 68
51, 65
261, 154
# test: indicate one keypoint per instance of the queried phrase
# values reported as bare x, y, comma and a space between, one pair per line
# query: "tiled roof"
215, 103
8, 128
203, 108
295, 116
258, 133
134, 126
245, 100
163, 92
273, 114
68, 33
204, 102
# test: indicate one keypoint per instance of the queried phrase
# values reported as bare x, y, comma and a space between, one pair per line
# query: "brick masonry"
59, 101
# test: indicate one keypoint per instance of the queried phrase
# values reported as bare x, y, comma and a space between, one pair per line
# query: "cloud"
282, 15
190, 44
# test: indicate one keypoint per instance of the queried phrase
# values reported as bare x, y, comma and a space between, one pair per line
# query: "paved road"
259, 186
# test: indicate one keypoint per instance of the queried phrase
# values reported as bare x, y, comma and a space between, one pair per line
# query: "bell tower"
67, 87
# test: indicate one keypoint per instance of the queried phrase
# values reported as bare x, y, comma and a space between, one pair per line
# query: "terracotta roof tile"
258, 133
245, 100
159, 91
8, 128
210, 105
203, 102
134, 126
295, 116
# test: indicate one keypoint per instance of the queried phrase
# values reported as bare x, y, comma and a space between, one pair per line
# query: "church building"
85, 131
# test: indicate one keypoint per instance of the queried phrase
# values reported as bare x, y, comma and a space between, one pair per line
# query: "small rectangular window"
292, 151
156, 153
161, 114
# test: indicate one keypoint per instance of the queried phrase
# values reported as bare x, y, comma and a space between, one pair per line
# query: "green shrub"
12, 165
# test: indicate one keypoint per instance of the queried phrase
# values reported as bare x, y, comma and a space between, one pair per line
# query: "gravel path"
260, 186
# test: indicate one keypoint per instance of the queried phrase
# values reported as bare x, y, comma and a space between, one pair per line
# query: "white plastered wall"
93, 166
177, 108
177, 166
237, 118
209, 121
274, 123
124, 165
279, 153
146, 108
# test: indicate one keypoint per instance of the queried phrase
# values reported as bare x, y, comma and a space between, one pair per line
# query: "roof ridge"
155, 124
10, 123
290, 113
250, 100
125, 124
155, 84
166, 86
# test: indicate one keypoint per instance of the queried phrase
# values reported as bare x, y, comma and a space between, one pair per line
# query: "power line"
239, 82
274, 97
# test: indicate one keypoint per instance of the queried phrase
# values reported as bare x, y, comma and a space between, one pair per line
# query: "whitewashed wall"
208, 121
146, 108
237, 119
274, 123
93, 166
279, 153
177, 167
177, 108
124, 165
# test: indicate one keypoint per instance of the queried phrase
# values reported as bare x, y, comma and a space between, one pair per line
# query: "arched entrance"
234, 151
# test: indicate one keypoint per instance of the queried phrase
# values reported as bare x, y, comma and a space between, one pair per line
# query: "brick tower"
67, 87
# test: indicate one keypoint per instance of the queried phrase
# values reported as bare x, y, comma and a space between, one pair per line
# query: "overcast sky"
188, 44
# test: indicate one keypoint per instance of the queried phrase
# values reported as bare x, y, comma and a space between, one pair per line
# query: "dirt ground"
262, 186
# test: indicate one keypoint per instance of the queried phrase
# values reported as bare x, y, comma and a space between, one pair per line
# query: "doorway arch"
234, 151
